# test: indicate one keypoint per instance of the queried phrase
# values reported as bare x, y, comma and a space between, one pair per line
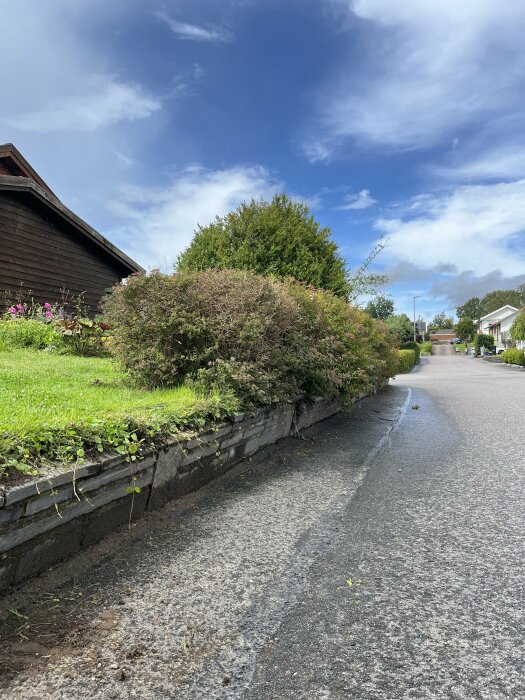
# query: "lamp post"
416, 297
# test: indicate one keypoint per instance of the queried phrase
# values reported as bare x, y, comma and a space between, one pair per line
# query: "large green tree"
465, 329
499, 297
279, 238
381, 307
441, 320
475, 308
470, 309
401, 328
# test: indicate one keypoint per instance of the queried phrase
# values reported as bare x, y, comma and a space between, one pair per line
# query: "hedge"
262, 339
407, 359
514, 357
412, 345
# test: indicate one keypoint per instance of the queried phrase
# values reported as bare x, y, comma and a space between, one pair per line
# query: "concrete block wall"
50, 518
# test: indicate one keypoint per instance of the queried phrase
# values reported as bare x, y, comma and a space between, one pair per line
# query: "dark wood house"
44, 247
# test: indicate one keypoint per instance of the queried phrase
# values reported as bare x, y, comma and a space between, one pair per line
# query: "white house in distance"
498, 324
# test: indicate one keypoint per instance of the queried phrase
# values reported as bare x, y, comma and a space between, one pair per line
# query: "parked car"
454, 341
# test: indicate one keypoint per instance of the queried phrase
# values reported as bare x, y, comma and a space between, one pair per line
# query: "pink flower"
49, 314
12, 310
47, 305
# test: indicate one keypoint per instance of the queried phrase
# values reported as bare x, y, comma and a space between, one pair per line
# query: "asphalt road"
381, 556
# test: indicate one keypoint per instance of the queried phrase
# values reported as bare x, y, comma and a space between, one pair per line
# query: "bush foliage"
27, 333
262, 339
514, 357
407, 359
412, 346
481, 340
517, 330
401, 328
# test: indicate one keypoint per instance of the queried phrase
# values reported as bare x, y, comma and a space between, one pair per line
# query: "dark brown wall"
46, 254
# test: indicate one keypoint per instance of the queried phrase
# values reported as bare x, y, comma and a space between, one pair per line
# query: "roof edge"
9, 150
27, 184
505, 306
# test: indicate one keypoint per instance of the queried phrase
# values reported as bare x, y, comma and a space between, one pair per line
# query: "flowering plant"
37, 312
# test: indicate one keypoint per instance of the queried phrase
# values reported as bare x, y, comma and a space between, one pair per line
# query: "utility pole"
415, 334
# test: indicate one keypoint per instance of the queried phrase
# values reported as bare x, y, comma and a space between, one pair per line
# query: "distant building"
421, 326
443, 334
45, 247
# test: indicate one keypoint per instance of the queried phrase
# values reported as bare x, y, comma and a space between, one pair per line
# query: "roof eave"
24, 184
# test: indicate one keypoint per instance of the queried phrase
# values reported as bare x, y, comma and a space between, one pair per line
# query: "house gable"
45, 247
13, 163
502, 312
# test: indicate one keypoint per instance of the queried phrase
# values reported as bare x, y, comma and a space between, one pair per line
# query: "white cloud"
428, 69
100, 101
157, 224
476, 228
361, 200
123, 160
195, 32
503, 161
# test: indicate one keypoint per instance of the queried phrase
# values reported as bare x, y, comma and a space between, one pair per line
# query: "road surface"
380, 556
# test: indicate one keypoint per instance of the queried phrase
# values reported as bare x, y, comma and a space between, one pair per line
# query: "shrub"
351, 353
426, 348
407, 359
27, 333
514, 357
412, 345
482, 340
517, 330
263, 339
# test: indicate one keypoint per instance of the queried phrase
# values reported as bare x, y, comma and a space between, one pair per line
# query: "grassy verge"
64, 408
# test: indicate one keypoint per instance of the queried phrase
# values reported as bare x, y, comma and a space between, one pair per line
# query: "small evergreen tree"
279, 238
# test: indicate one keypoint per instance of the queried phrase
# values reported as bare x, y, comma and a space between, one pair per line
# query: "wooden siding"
45, 254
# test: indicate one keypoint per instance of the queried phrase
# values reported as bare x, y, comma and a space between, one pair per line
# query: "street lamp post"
416, 297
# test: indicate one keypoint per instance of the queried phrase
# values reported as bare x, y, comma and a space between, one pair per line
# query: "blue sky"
399, 119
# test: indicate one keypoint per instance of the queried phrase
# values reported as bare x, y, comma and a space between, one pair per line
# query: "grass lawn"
61, 407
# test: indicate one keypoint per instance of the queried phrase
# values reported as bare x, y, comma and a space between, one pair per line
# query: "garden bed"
62, 408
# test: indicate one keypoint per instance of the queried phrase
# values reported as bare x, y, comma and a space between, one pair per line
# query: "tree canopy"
470, 309
441, 320
279, 238
401, 327
475, 308
465, 329
381, 307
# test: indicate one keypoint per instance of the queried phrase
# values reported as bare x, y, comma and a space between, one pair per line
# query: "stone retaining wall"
48, 519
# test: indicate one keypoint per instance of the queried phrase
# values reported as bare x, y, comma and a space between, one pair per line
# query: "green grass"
62, 407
